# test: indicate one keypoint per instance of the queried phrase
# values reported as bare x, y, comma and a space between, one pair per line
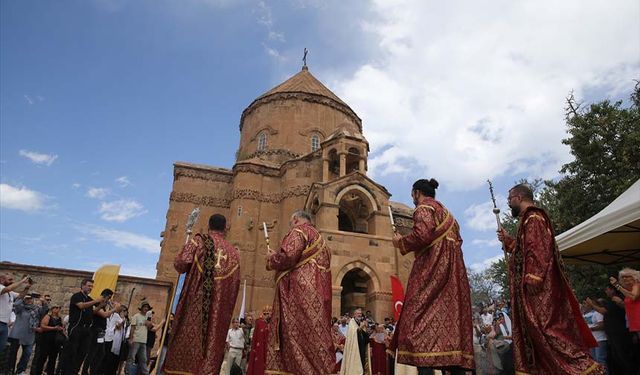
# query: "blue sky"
98, 98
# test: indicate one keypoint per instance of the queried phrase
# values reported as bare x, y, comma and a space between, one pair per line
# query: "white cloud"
480, 217
478, 89
121, 210
75, 185
38, 158
123, 181
481, 266
28, 98
20, 198
97, 193
123, 239
265, 18
486, 243
273, 53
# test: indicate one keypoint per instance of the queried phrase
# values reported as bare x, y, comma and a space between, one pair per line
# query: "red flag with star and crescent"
397, 293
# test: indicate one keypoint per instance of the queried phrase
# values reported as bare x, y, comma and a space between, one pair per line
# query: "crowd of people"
613, 318
95, 337
542, 330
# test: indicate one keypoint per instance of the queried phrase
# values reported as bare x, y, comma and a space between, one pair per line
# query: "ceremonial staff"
191, 221
496, 211
266, 238
393, 223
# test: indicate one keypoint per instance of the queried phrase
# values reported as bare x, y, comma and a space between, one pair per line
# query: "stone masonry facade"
301, 147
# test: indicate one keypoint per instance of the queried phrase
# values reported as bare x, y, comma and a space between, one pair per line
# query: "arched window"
315, 142
262, 141
355, 213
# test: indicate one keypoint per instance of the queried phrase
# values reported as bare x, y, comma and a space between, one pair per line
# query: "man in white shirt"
7, 297
344, 326
235, 344
487, 317
595, 321
114, 323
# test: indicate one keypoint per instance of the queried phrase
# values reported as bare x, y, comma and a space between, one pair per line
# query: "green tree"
497, 273
483, 288
604, 139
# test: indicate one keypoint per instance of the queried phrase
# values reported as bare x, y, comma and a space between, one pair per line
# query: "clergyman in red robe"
206, 303
549, 334
259, 343
434, 330
379, 342
300, 341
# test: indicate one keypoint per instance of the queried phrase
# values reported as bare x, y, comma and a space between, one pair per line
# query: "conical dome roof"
304, 86
303, 82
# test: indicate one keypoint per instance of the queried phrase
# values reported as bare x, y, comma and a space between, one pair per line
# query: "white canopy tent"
612, 236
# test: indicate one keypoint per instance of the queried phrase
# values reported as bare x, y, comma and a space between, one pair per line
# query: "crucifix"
219, 255
304, 57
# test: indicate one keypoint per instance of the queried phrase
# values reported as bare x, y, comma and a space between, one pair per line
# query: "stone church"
301, 147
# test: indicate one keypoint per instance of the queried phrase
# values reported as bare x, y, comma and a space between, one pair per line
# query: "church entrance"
356, 284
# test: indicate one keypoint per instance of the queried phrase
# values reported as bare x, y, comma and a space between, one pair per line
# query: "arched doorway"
356, 285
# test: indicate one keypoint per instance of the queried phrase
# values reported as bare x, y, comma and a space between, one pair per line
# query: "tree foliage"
483, 288
604, 139
497, 273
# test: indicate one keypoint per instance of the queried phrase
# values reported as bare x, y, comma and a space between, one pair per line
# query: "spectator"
235, 345
80, 319
151, 336
51, 339
23, 332
138, 340
120, 349
343, 327
7, 297
629, 286
110, 362
247, 329
487, 317
620, 359
43, 310
500, 344
98, 328
595, 321
163, 351
388, 325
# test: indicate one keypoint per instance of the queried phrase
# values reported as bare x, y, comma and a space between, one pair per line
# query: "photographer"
80, 318
23, 332
43, 310
96, 353
7, 296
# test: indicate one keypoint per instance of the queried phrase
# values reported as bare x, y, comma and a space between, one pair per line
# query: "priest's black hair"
426, 187
217, 222
524, 191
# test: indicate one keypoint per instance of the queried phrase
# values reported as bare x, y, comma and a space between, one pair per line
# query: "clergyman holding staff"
300, 340
206, 303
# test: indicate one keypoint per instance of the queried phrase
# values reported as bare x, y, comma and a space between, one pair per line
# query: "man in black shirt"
96, 351
621, 357
80, 319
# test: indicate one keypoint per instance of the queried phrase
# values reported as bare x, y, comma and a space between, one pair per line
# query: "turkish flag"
397, 292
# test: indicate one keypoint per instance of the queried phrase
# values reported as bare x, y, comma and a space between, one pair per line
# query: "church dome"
292, 119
